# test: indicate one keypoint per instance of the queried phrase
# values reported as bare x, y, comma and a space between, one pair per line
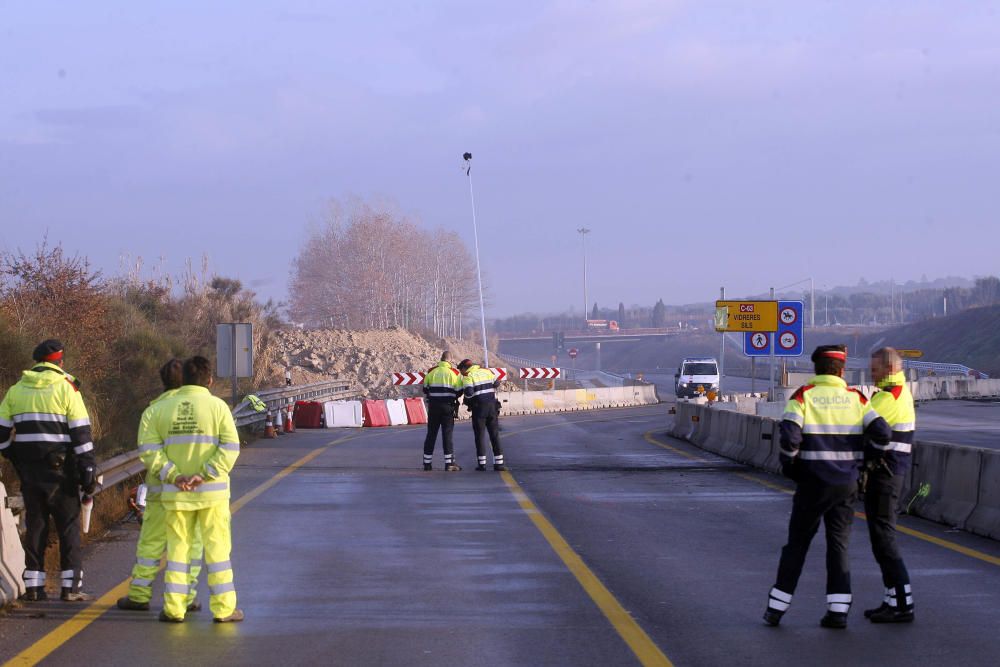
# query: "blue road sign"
788, 337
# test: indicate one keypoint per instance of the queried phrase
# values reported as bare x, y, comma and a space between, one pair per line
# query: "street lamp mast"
479, 274
583, 231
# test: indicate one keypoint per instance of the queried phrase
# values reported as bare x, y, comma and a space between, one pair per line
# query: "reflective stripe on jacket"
894, 403
443, 383
153, 484
825, 425
480, 386
46, 410
189, 433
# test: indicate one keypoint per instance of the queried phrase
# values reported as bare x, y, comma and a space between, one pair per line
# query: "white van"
696, 377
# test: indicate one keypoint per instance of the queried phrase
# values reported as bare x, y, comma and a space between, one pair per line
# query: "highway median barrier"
964, 482
11, 553
953, 474
985, 518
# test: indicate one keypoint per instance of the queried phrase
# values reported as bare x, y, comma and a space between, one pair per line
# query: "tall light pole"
479, 274
583, 231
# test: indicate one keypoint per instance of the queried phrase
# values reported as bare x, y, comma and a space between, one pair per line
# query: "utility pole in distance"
583, 231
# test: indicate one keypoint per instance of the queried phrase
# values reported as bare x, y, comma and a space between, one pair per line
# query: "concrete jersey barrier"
964, 481
11, 553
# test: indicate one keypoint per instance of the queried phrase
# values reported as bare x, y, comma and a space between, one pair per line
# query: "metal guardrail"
941, 369
119, 468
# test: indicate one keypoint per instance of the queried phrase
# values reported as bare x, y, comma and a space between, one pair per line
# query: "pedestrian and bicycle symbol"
787, 339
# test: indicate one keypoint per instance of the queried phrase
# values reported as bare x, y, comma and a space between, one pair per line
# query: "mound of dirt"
367, 357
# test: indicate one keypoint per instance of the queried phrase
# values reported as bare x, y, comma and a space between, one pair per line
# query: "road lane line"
75, 625
927, 537
648, 653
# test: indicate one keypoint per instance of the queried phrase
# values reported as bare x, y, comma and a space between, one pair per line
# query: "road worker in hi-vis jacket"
480, 397
45, 432
189, 442
153, 534
823, 445
884, 485
442, 386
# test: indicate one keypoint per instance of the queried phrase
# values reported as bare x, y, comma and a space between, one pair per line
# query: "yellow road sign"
746, 315
911, 354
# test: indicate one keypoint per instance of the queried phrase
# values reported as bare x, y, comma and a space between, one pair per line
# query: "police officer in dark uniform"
442, 387
823, 440
480, 398
45, 432
884, 485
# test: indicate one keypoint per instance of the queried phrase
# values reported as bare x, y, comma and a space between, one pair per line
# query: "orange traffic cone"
289, 422
269, 426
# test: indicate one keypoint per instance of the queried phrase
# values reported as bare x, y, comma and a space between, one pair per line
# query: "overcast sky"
744, 144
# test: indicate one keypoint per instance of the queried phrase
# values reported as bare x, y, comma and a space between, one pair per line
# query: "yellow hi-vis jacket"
190, 433
825, 426
894, 403
153, 484
443, 383
47, 412
480, 387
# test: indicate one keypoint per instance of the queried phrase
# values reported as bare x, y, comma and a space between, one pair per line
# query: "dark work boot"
481, 467
899, 609
428, 466
35, 594
69, 595
835, 620
128, 604
882, 607
499, 467
772, 616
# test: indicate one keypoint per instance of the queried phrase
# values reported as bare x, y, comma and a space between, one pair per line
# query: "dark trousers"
484, 418
881, 501
815, 501
440, 415
60, 500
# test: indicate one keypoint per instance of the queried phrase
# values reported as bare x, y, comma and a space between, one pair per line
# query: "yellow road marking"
947, 544
648, 653
75, 625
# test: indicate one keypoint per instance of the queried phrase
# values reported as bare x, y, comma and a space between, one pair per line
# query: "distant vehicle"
609, 325
696, 377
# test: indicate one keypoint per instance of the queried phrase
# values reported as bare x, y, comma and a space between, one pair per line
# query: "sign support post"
722, 354
770, 392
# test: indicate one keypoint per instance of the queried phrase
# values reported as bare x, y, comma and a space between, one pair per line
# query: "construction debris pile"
366, 357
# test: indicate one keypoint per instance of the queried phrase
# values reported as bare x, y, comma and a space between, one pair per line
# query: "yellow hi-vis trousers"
149, 550
182, 527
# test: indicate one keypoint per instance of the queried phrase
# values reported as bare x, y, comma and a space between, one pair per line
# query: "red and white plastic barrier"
396, 408
416, 411
375, 413
343, 414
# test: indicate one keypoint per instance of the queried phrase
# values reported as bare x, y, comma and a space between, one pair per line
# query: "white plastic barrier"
563, 400
397, 412
11, 554
343, 414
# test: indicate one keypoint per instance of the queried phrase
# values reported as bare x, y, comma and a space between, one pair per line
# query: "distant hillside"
972, 337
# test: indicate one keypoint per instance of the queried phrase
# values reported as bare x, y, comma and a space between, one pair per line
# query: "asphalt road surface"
608, 543
970, 423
